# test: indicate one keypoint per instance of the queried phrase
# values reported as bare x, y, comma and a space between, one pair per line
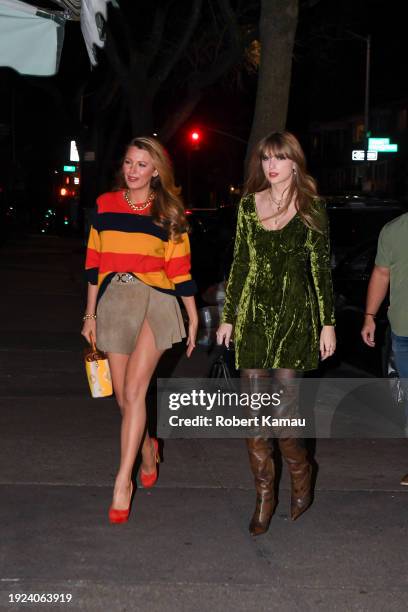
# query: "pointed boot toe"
301, 498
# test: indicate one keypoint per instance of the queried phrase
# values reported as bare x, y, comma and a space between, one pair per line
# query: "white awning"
30, 38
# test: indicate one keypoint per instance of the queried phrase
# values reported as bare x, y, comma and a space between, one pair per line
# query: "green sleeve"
383, 256
319, 245
239, 269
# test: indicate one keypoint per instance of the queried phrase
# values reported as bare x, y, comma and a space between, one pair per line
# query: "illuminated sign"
383, 145
359, 155
73, 152
69, 168
372, 155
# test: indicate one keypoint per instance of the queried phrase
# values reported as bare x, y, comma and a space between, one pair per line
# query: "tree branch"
159, 22
203, 79
227, 58
182, 114
172, 59
115, 61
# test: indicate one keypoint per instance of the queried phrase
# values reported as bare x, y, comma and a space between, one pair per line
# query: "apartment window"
358, 135
402, 119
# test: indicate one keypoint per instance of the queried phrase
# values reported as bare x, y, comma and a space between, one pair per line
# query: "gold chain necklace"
278, 204
143, 206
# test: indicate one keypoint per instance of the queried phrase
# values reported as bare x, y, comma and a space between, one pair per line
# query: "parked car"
355, 220
212, 233
355, 224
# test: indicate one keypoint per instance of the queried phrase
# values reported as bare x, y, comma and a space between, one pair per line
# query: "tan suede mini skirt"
123, 307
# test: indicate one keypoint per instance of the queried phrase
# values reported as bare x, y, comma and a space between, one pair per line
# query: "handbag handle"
92, 342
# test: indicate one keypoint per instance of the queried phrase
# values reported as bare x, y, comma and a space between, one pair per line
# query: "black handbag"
223, 365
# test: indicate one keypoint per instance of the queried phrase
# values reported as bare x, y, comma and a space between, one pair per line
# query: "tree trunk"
277, 25
140, 112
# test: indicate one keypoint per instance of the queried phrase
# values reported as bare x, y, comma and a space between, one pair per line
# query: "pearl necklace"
143, 206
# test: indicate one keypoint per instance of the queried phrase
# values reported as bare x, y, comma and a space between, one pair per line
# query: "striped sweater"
121, 240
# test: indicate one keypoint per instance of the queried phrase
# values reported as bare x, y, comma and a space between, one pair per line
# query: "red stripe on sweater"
125, 262
178, 266
114, 202
92, 258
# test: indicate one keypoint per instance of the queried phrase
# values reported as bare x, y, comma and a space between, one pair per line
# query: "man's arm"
376, 292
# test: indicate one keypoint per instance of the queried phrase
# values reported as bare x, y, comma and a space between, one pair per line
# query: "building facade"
330, 153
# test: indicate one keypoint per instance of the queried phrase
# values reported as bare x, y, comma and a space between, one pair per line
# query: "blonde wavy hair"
167, 207
302, 189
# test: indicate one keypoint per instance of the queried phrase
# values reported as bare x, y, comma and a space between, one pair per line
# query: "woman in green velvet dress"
279, 298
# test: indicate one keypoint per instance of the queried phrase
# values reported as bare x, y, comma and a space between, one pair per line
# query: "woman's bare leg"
118, 363
139, 370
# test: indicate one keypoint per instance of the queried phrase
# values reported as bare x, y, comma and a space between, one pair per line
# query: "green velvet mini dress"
279, 292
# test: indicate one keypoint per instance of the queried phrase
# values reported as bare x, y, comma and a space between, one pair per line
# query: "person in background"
138, 261
391, 272
279, 299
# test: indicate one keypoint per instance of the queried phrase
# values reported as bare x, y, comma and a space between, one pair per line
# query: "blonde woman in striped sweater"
138, 261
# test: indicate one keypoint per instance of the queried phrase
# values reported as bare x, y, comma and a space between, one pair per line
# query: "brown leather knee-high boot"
263, 469
295, 455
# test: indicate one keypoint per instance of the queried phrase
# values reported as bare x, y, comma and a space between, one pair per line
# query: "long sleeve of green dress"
319, 246
239, 270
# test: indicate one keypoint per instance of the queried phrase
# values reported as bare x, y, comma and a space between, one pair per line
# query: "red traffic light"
195, 136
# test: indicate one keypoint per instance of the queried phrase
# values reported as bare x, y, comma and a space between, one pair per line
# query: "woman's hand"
192, 334
224, 333
88, 328
327, 341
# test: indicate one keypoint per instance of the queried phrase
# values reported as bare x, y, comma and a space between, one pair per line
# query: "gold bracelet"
370, 314
89, 316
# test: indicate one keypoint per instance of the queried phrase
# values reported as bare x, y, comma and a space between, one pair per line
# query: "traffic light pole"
367, 92
367, 40
189, 178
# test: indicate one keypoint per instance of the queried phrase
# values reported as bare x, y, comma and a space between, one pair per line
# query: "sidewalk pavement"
186, 545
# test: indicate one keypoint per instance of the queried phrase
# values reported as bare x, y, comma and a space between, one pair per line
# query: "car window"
351, 227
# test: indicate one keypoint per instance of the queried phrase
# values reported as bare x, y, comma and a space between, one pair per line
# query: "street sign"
373, 143
387, 148
383, 145
359, 155
69, 168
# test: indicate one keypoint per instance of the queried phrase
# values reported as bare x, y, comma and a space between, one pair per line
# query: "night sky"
327, 83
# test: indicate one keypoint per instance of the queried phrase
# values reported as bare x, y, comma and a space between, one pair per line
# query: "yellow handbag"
97, 371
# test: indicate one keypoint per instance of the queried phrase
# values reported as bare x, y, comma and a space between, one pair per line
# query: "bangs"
275, 144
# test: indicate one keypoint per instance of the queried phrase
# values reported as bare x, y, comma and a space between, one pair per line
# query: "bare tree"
170, 53
153, 73
277, 27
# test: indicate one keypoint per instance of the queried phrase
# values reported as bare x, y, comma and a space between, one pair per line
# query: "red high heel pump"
121, 516
148, 480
